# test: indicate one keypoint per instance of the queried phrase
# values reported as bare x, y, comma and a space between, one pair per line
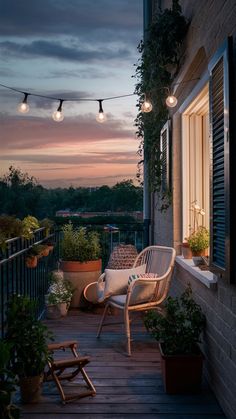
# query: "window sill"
205, 277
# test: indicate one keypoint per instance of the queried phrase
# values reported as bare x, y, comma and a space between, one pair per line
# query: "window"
208, 162
196, 158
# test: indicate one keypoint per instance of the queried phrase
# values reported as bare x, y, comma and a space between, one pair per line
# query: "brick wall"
211, 21
219, 341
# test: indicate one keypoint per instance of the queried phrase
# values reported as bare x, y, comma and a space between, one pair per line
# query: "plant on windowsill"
196, 245
27, 338
81, 263
59, 295
177, 329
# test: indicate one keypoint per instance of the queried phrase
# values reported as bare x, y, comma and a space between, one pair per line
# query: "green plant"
155, 72
27, 338
79, 245
29, 224
47, 224
7, 385
9, 227
199, 239
60, 290
179, 328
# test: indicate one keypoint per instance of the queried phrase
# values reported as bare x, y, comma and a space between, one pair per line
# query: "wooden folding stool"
56, 368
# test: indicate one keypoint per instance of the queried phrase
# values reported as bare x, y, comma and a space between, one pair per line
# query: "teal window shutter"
220, 160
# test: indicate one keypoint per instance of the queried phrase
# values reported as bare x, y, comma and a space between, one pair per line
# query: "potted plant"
7, 385
35, 252
27, 338
178, 329
31, 257
80, 259
29, 224
59, 295
47, 224
197, 242
9, 227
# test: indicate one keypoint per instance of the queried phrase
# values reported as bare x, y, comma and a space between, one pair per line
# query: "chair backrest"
159, 260
122, 257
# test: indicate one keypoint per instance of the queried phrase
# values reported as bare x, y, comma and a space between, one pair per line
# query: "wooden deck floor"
126, 387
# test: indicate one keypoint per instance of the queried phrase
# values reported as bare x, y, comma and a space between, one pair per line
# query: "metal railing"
16, 278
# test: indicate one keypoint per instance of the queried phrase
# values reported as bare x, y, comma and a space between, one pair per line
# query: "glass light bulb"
171, 101
146, 106
58, 116
23, 107
101, 117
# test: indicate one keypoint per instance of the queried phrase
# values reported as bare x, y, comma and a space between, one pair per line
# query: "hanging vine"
155, 71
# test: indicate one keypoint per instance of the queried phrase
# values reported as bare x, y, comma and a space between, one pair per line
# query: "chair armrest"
101, 278
62, 345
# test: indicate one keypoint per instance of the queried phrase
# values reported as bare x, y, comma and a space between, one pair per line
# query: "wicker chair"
159, 260
122, 257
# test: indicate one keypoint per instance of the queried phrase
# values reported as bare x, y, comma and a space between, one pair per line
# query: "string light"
171, 101
58, 115
101, 116
23, 107
146, 105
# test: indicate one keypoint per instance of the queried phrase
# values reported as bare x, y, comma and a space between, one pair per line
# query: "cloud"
34, 132
52, 50
49, 17
79, 159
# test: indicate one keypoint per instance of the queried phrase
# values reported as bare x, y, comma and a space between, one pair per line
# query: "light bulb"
146, 106
23, 107
58, 116
171, 101
101, 117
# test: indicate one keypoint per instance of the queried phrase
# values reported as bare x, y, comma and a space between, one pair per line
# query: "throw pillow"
116, 280
142, 293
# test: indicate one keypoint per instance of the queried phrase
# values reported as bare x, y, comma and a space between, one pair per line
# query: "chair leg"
127, 331
102, 320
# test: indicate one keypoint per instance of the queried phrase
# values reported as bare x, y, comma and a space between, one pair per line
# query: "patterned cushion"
142, 293
116, 280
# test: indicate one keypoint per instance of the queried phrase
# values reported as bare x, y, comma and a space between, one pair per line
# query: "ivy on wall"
155, 71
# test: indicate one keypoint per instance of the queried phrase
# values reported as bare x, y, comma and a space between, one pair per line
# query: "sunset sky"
69, 49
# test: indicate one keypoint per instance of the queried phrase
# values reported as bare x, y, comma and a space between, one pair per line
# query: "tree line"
21, 195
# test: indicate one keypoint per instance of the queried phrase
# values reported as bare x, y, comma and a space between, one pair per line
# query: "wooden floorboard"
127, 387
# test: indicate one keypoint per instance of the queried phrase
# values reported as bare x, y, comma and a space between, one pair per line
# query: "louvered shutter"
220, 160
165, 156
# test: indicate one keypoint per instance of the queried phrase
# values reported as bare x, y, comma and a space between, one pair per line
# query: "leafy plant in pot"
7, 385
80, 252
59, 295
27, 338
178, 329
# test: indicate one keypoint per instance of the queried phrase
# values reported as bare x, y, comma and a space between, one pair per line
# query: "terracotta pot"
186, 251
80, 275
182, 373
63, 308
45, 252
53, 311
31, 262
31, 389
